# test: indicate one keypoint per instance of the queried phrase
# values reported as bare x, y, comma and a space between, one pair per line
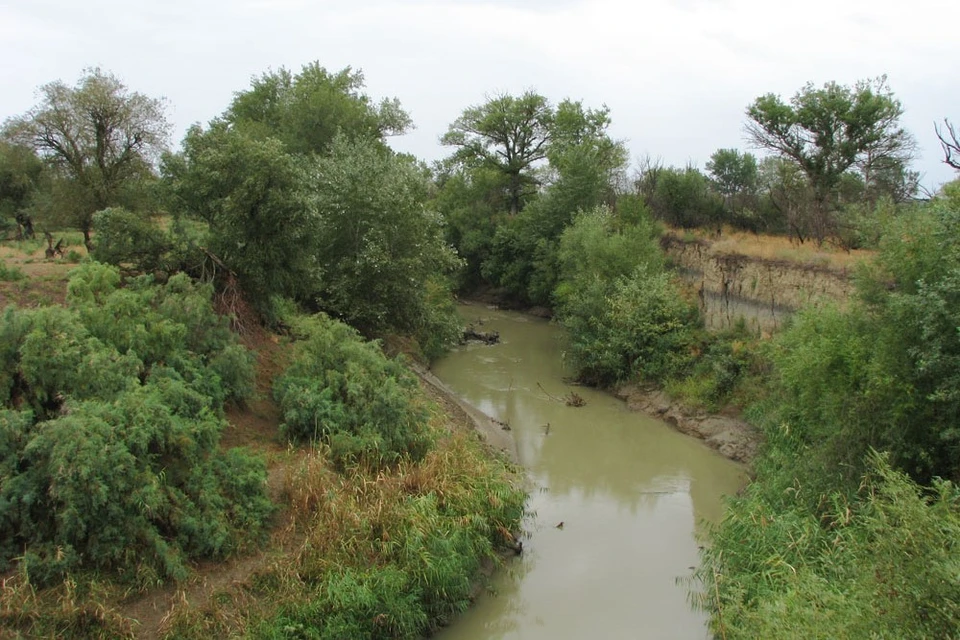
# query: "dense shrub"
624, 315
884, 373
642, 328
342, 390
124, 237
109, 435
833, 540
727, 368
880, 566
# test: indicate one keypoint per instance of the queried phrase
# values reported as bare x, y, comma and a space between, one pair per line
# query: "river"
617, 499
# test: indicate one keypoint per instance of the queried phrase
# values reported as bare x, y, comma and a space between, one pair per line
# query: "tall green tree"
306, 110
827, 131
98, 136
508, 134
255, 197
734, 176
378, 246
506, 219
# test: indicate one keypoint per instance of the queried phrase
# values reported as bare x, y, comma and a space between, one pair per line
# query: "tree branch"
950, 143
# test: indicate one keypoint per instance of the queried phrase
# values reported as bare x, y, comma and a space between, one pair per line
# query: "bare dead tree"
949, 142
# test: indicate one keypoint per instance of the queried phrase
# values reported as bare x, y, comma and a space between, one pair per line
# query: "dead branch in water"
571, 400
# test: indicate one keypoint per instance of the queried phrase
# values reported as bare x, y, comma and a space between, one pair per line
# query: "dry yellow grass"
778, 248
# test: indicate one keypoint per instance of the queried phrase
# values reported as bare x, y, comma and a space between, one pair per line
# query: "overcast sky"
677, 75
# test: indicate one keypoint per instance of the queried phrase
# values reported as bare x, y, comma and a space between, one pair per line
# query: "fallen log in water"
486, 337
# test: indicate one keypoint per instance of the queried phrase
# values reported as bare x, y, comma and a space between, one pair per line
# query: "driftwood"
486, 337
572, 399
53, 251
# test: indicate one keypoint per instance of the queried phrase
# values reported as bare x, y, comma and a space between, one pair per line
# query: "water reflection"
628, 489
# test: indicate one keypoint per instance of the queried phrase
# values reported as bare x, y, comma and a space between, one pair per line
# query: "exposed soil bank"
764, 292
732, 437
493, 432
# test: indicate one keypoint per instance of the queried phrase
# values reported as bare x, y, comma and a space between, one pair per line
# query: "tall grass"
388, 553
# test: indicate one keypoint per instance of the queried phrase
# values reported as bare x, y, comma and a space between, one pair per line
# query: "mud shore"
732, 437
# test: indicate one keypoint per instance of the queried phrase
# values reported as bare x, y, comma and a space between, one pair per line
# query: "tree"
827, 131
255, 198
733, 175
378, 247
508, 134
98, 136
307, 110
682, 197
506, 219
20, 174
950, 143
785, 197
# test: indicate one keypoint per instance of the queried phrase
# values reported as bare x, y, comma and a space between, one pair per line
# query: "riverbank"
491, 431
732, 437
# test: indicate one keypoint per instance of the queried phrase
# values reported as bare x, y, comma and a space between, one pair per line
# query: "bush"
643, 328
880, 566
121, 470
124, 237
342, 390
10, 273
727, 369
624, 315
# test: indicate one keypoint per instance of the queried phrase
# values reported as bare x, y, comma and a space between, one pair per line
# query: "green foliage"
826, 132
9, 273
124, 237
21, 174
306, 111
506, 230
727, 370
255, 198
394, 555
471, 204
880, 566
342, 390
357, 603
110, 429
734, 175
343, 228
683, 198
624, 314
379, 248
883, 374
834, 540
99, 138
506, 134
732, 172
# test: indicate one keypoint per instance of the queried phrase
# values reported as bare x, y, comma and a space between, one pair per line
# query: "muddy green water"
631, 494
